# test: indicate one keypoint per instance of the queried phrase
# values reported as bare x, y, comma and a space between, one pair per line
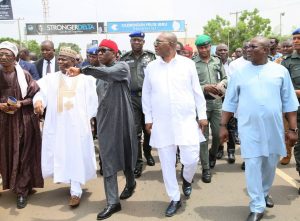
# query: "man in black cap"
138, 59
292, 63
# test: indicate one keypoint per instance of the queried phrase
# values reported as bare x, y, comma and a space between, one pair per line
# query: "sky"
196, 14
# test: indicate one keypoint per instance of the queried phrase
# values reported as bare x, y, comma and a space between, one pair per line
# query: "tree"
33, 46
249, 25
16, 42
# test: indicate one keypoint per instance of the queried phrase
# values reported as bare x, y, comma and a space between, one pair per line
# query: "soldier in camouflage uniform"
212, 77
138, 59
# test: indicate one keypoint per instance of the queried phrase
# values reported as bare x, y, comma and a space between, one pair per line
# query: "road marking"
287, 178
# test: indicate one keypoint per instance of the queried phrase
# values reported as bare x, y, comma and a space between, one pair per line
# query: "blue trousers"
260, 173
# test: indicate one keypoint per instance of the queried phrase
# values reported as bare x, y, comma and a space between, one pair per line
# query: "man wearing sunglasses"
116, 129
138, 59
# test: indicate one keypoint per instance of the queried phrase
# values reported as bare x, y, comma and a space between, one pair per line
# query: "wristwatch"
294, 130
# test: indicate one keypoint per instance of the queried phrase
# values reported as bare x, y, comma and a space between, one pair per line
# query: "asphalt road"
225, 199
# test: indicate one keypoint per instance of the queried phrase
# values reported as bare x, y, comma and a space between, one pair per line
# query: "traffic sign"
146, 26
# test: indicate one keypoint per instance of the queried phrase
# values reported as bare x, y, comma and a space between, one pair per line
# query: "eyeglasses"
158, 42
104, 50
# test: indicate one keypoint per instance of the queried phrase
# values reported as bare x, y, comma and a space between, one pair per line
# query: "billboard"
62, 28
146, 26
6, 10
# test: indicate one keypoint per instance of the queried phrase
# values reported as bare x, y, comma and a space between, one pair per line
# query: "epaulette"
126, 54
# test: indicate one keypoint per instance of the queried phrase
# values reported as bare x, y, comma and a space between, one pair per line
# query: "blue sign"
146, 26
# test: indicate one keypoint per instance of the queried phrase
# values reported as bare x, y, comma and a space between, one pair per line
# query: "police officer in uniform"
212, 78
138, 59
292, 63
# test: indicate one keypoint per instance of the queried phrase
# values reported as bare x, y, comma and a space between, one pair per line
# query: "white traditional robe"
67, 147
171, 97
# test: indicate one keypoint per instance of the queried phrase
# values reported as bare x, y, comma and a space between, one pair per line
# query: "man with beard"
138, 59
274, 54
115, 124
20, 144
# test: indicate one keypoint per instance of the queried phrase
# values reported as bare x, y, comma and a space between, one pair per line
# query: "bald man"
260, 92
175, 115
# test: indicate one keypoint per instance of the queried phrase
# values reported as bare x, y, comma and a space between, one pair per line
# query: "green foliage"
33, 46
10, 40
249, 25
73, 46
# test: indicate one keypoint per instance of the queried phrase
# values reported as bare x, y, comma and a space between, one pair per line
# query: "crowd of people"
53, 108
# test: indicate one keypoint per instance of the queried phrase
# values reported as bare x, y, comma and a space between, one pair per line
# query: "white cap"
10, 46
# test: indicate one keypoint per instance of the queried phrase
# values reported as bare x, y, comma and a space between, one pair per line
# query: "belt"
136, 93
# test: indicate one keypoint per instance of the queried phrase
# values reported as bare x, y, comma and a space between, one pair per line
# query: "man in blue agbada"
260, 92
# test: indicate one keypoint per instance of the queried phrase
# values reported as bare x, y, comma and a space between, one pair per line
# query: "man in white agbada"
175, 115
68, 152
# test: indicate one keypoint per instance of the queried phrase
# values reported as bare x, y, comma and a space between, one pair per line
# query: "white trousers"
260, 173
75, 189
189, 157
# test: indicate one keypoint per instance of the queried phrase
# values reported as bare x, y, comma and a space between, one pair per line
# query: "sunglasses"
158, 42
103, 50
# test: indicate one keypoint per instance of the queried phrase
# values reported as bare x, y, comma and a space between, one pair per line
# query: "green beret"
202, 40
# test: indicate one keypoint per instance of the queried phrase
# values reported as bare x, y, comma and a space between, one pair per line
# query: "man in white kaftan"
172, 103
260, 92
68, 152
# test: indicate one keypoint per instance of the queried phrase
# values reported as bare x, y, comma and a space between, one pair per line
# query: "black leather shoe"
220, 154
108, 211
255, 216
186, 187
243, 166
206, 176
150, 160
127, 192
231, 158
269, 201
138, 171
21, 202
172, 208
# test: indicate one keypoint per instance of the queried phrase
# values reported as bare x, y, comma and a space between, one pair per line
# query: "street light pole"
280, 25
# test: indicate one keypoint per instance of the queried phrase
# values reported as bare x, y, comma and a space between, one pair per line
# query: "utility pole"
236, 16
45, 13
19, 30
280, 24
